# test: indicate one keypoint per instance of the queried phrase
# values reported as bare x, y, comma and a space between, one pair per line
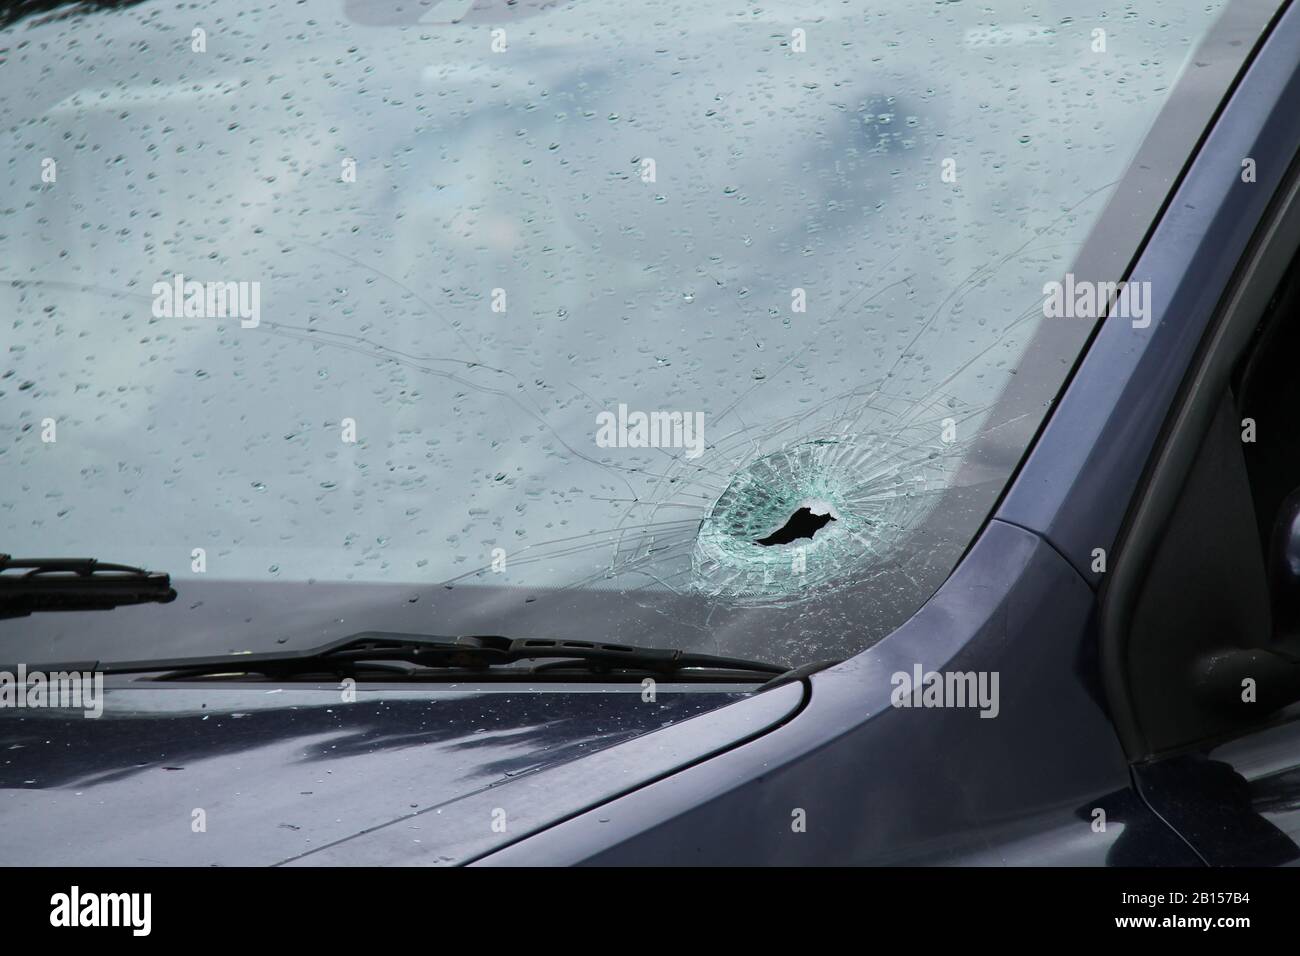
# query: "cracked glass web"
476, 498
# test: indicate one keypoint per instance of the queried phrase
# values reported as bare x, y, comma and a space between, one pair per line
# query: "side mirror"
1259, 680
1248, 683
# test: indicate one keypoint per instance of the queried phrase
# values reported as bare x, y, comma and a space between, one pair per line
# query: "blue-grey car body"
494, 775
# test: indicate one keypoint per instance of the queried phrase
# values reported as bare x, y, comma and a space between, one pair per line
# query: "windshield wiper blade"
76, 584
472, 653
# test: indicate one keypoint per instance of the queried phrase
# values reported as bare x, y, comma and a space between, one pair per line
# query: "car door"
1200, 644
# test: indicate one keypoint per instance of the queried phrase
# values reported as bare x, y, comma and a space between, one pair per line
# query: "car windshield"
706, 325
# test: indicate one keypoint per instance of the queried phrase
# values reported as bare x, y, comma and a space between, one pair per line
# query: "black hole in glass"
802, 524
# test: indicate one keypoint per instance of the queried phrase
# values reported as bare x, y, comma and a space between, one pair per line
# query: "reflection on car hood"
250, 775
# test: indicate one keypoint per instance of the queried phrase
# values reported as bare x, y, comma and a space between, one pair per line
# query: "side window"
1268, 383
1209, 657
1205, 596
1212, 642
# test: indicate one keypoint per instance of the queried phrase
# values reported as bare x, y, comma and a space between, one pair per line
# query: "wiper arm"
76, 584
476, 653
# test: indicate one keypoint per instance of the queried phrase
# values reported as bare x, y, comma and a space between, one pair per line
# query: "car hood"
246, 774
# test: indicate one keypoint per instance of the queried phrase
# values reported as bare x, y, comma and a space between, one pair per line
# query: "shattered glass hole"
813, 516
804, 523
